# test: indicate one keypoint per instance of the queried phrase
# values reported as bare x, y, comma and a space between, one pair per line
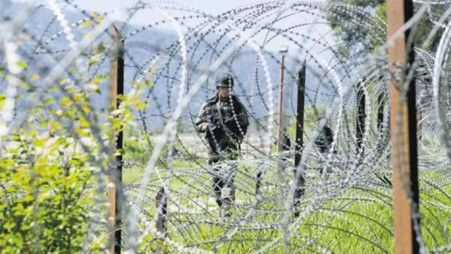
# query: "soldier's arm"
243, 119
200, 123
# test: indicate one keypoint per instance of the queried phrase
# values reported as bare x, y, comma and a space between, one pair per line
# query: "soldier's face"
223, 93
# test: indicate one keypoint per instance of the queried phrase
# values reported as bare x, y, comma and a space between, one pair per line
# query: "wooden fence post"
403, 130
115, 196
161, 206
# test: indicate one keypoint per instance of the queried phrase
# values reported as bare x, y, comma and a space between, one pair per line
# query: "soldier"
325, 139
224, 121
324, 143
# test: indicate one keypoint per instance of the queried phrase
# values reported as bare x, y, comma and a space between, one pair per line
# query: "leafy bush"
43, 195
48, 164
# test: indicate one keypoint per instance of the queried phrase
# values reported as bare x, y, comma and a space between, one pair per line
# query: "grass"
357, 220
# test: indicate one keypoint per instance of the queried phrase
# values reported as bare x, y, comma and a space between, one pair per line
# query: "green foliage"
312, 116
43, 195
137, 146
48, 164
363, 28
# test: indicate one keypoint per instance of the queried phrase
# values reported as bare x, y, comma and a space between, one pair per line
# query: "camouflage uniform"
227, 124
324, 140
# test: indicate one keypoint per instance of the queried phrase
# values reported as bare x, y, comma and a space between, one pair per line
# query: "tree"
361, 26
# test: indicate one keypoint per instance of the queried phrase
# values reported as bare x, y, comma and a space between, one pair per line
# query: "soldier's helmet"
224, 80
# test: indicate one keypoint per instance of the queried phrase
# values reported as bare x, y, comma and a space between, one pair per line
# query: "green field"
337, 219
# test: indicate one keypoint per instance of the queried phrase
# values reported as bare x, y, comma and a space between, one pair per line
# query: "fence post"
361, 115
403, 130
116, 143
161, 222
381, 100
380, 111
280, 115
299, 192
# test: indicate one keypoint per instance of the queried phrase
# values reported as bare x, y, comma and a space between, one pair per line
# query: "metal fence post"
299, 192
360, 124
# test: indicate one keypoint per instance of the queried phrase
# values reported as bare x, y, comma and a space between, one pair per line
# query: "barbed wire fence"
168, 200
